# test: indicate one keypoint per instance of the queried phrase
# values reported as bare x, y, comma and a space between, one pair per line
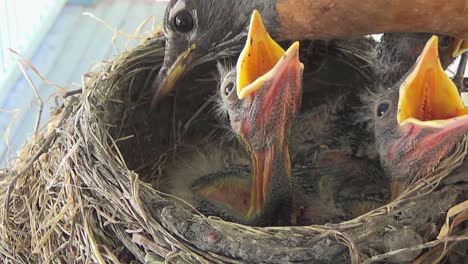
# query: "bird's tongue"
428, 97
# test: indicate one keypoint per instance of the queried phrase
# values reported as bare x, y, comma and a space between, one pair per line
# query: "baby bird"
420, 123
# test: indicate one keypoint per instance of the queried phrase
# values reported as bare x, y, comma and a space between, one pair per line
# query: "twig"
38, 97
198, 112
174, 122
148, 243
140, 27
440, 250
73, 92
45, 146
418, 247
117, 33
44, 79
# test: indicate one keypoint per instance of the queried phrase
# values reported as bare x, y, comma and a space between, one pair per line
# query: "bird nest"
83, 189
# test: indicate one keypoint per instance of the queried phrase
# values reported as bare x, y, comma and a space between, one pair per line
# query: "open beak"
428, 97
459, 47
270, 80
168, 77
431, 115
259, 56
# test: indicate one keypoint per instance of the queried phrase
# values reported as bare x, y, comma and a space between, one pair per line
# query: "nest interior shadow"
86, 188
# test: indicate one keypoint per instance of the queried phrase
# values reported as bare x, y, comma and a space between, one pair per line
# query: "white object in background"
464, 97
23, 25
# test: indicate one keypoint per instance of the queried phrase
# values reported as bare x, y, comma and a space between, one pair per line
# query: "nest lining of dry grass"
80, 190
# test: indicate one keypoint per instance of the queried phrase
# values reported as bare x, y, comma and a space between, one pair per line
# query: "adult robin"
201, 31
420, 123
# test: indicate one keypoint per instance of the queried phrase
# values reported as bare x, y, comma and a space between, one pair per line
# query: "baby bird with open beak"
420, 123
332, 187
261, 109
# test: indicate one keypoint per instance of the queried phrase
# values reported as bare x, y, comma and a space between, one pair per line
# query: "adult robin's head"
200, 31
420, 121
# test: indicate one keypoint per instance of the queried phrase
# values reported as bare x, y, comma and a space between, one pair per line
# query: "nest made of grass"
80, 192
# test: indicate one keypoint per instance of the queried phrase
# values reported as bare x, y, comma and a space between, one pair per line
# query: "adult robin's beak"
431, 116
459, 47
269, 80
170, 74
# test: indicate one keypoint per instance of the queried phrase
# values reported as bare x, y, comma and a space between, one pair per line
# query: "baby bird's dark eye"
228, 88
183, 21
382, 109
445, 41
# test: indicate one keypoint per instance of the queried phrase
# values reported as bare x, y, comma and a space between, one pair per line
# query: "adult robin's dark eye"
183, 21
382, 109
228, 88
445, 41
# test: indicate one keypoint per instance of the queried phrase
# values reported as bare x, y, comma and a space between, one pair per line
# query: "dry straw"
80, 190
